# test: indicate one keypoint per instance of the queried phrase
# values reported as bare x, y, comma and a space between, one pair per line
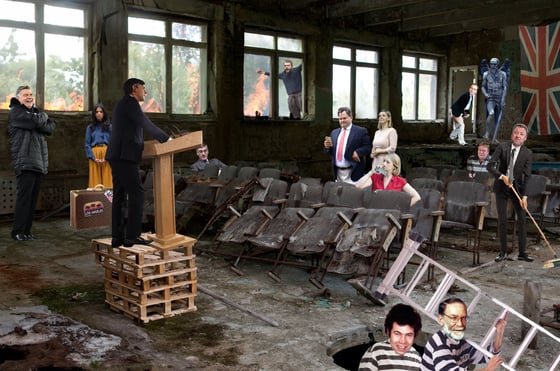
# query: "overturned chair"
360, 250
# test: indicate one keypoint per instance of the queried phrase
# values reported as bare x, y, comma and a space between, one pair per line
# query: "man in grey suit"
124, 153
511, 165
348, 145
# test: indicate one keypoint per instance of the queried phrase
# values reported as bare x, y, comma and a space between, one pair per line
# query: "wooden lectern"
166, 236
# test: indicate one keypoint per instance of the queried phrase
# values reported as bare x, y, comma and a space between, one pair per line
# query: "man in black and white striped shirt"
402, 324
448, 350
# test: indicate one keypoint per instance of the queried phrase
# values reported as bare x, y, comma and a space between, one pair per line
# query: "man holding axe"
511, 165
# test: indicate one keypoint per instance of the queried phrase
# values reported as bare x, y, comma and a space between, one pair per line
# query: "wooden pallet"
141, 260
154, 309
146, 283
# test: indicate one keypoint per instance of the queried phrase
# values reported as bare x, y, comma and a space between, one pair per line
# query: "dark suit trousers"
501, 207
28, 185
127, 186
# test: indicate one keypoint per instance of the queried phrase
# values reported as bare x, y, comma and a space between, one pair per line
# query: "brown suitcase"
91, 208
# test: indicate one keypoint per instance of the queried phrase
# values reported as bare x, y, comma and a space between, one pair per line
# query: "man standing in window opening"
124, 153
27, 129
459, 110
292, 82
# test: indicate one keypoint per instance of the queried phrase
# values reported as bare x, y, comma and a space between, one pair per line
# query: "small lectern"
166, 236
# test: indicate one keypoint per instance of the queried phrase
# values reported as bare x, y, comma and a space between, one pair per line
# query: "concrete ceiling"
421, 18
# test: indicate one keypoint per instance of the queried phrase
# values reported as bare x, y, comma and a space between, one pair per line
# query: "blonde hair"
396, 161
389, 120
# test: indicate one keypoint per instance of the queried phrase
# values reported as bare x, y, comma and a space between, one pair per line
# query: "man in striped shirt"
477, 164
402, 324
447, 349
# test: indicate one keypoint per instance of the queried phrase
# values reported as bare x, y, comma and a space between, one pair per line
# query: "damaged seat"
465, 206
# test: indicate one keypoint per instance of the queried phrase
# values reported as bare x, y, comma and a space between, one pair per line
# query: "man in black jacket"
459, 110
511, 165
30, 157
124, 153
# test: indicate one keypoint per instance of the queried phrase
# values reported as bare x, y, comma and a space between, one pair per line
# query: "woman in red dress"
388, 178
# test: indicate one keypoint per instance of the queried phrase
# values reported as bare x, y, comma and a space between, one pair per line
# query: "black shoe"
500, 258
115, 242
525, 258
20, 237
136, 241
30, 237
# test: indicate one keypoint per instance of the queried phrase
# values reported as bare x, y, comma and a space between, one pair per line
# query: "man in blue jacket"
124, 153
348, 145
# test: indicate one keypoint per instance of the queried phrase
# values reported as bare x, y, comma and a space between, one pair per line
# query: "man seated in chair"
203, 161
477, 164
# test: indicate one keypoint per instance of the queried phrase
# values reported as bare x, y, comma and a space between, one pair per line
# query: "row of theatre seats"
335, 227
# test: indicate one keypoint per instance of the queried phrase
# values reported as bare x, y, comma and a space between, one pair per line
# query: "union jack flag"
540, 78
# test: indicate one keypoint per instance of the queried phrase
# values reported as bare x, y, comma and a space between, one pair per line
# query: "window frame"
41, 29
418, 72
275, 56
354, 64
168, 43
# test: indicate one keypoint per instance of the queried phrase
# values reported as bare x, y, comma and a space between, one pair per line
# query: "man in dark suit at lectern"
124, 153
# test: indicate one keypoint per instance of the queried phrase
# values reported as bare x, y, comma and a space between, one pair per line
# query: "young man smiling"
402, 325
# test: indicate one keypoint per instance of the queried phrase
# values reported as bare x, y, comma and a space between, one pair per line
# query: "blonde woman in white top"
384, 142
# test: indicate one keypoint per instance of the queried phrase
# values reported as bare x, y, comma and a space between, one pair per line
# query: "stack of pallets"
147, 283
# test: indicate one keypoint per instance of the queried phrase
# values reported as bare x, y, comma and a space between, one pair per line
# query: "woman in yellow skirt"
98, 134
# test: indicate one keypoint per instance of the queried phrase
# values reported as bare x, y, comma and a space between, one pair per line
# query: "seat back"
384, 199
269, 190
247, 172
430, 183
345, 195
269, 172
421, 172
228, 173
305, 195
460, 199
210, 171
423, 220
535, 190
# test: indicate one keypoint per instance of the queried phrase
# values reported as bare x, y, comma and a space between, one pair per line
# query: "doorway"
460, 78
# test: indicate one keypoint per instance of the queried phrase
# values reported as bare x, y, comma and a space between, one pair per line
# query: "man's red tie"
340, 145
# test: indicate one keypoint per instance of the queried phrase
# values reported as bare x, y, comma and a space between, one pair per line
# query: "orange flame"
257, 101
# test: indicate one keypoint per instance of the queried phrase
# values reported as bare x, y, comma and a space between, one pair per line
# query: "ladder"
407, 293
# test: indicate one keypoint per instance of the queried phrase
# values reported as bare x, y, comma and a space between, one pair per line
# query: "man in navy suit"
348, 146
511, 165
124, 153
459, 110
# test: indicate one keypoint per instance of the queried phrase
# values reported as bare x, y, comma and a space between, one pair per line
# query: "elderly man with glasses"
448, 350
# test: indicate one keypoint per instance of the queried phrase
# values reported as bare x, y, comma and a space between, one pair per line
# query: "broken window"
181, 85
419, 87
355, 81
43, 46
273, 76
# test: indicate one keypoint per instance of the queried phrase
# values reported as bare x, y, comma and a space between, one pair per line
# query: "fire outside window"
273, 77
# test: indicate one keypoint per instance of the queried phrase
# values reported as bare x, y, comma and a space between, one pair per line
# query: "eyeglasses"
455, 319
202, 150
